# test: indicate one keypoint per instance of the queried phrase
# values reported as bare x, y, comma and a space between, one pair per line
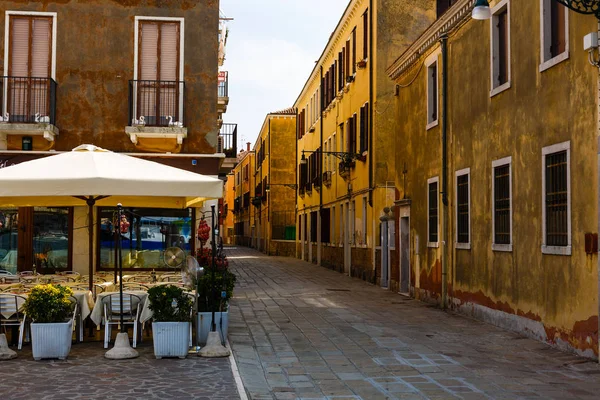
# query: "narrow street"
299, 331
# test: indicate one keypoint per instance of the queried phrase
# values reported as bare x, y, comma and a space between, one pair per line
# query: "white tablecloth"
98, 310
85, 301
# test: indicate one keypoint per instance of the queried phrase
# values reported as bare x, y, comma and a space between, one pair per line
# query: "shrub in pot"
214, 293
172, 313
50, 307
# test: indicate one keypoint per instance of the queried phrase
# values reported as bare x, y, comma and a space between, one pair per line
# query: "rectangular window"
347, 59
556, 202
432, 91
325, 225
443, 6
341, 78
554, 33
354, 51
500, 34
432, 212
158, 86
366, 34
463, 221
364, 128
352, 227
313, 226
502, 205
341, 230
333, 222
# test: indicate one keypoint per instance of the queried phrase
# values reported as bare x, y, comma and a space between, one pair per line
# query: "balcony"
223, 93
227, 144
28, 107
156, 110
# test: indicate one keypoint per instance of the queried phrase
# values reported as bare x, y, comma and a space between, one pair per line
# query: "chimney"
248, 146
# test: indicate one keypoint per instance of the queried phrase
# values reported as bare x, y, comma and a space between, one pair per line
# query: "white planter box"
51, 340
171, 339
203, 325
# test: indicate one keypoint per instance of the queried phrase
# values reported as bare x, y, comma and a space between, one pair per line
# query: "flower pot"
51, 340
171, 339
203, 324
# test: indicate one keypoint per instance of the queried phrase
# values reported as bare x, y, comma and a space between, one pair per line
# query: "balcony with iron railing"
28, 106
156, 110
227, 141
223, 92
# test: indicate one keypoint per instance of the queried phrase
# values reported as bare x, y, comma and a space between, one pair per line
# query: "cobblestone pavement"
86, 374
299, 331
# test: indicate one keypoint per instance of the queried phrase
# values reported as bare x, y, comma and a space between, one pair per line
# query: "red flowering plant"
215, 287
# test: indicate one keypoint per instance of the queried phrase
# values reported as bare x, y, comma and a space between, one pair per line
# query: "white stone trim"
501, 6
462, 172
433, 59
547, 63
558, 250
499, 163
435, 179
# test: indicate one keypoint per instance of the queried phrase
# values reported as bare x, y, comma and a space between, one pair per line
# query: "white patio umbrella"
89, 175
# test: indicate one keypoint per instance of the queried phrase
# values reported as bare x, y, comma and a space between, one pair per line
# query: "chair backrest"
80, 286
112, 304
71, 273
26, 273
139, 278
5, 272
63, 278
10, 307
171, 278
134, 286
12, 288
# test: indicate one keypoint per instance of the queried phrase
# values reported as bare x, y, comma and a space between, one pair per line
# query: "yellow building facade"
227, 227
275, 184
243, 187
497, 169
345, 161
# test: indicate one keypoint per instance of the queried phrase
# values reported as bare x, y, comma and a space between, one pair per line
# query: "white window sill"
433, 244
557, 250
500, 89
553, 61
462, 246
502, 247
432, 124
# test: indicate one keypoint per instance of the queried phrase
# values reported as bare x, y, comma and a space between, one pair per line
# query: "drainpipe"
269, 230
444, 44
297, 180
371, 105
320, 233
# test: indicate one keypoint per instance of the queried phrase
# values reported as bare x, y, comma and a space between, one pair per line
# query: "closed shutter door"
40, 66
19, 69
169, 60
148, 71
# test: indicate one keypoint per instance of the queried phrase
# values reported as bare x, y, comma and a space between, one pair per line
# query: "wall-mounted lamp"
481, 10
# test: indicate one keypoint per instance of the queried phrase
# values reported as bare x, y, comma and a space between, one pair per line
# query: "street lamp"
481, 10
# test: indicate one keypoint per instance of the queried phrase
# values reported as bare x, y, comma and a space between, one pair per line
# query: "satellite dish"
174, 257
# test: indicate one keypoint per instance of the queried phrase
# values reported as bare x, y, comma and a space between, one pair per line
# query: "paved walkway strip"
299, 331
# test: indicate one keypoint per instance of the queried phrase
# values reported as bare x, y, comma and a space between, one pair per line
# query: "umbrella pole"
213, 326
90, 202
120, 266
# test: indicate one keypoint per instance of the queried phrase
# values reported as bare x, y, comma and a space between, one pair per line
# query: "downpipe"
444, 255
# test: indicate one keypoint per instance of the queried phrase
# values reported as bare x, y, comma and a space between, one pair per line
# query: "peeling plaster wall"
551, 297
94, 63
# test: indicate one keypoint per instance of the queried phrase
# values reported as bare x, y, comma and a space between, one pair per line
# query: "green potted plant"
172, 314
214, 292
50, 307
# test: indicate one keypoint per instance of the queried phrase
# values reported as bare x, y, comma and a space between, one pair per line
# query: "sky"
272, 48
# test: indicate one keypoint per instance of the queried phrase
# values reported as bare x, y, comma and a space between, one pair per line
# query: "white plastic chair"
112, 314
11, 314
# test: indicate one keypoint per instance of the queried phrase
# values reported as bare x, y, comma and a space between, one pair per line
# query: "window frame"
435, 179
557, 250
495, 164
545, 18
432, 59
496, 87
457, 174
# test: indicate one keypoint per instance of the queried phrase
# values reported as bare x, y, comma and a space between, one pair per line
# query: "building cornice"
457, 15
336, 36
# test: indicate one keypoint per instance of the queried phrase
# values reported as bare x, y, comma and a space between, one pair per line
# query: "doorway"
404, 255
347, 247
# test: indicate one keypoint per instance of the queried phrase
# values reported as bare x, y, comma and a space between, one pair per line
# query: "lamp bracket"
583, 6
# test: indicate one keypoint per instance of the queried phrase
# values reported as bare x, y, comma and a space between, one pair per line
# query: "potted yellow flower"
172, 313
50, 307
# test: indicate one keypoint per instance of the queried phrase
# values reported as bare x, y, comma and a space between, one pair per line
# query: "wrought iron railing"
28, 100
227, 142
157, 103
223, 84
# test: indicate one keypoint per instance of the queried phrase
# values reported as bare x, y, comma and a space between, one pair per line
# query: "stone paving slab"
86, 374
303, 332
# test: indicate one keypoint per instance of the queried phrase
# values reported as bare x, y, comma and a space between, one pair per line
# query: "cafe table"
98, 310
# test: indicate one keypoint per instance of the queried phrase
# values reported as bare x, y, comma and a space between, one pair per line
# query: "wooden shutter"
169, 51
19, 47
41, 47
148, 52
